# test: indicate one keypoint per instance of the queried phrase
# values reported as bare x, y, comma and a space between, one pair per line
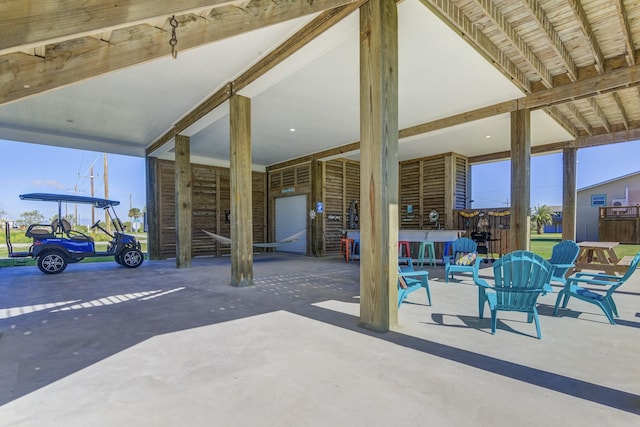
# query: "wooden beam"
509, 33
153, 232
569, 195
75, 60
26, 23
579, 117
583, 22
506, 155
626, 32
520, 180
480, 113
379, 164
452, 16
354, 146
625, 118
586, 88
313, 29
562, 120
319, 25
554, 40
599, 114
184, 205
609, 138
241, 192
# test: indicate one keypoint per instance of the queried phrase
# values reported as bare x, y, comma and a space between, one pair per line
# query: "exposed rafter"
579, 117
451, 15
516, 41
600, 114
583, 21
553, 38
625, 119
626, 32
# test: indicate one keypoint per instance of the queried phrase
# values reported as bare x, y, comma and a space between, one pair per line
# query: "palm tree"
541, 216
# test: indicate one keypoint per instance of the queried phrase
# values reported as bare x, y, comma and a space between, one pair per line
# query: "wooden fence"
620, 224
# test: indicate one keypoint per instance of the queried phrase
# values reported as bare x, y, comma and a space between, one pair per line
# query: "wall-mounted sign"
409, 209
288, 190
319, 207
598, 200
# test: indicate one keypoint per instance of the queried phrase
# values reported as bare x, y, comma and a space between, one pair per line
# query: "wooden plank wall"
498, 225
423, 184
342, 189
211, 201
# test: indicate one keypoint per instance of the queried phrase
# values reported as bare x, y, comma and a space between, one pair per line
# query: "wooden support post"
449, 189
153, 229
378, 164
317, 195
520, 180
184, 205
241, 192
569, 195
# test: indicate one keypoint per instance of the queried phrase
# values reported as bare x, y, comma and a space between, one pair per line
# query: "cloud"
50, 183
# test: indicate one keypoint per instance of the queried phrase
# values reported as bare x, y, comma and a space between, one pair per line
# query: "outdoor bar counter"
417, 236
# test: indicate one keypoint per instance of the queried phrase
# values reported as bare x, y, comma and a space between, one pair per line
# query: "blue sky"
30, 168
33, 168
491, 181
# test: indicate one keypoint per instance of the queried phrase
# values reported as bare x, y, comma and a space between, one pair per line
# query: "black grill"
482, 238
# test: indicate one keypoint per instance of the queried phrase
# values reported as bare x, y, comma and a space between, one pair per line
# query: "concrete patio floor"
101, 345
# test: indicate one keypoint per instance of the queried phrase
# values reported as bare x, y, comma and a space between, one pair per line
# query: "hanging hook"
174, 39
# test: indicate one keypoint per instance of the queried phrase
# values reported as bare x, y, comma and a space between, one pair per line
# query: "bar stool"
404, 244
347, 244
431, 257
355, 243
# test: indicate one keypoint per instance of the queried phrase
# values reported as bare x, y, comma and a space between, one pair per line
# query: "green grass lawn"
101, 245
540, 244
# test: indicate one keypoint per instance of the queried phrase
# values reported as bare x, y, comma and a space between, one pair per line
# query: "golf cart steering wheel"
96, 224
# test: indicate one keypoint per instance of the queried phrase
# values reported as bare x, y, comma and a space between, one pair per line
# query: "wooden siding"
342, 189
211, 202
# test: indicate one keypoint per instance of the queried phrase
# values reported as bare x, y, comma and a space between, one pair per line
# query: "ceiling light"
292, 130
487, 136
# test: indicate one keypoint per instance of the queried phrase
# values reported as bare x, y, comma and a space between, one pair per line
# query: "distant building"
621, 191
556, 225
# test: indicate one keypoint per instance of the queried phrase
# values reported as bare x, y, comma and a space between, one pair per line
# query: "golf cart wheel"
118, 259
53, 262
131, 258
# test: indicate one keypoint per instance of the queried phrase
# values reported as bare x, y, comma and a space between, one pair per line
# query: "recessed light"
292, 130
487, 136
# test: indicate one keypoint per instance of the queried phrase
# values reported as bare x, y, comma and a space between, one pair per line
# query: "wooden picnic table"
600, 256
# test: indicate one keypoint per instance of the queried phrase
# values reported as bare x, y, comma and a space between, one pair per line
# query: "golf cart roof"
69, 198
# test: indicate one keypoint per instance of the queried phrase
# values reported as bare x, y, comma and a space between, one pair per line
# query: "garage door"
291, 217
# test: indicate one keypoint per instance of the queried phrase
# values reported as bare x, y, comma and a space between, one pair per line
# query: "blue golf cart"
56, 245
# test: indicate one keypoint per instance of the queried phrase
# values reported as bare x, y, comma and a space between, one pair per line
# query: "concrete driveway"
102, 345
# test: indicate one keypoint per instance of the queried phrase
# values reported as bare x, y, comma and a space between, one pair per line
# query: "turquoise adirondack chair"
520, 277
464, 259
563, 257
410, 280
611, 283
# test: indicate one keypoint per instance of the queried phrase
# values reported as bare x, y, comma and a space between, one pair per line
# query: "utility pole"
75, 209
106, 191
93, 209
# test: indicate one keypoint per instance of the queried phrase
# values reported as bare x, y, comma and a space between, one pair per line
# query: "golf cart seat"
63, 227
40, 231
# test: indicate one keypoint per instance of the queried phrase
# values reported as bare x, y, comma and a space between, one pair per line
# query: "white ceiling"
316, 91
